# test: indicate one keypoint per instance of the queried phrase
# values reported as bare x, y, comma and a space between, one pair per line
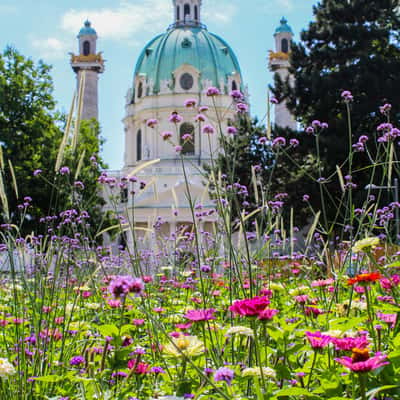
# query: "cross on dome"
187, 12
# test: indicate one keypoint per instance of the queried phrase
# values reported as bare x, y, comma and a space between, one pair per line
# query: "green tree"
244, 161
31, 131
351, 45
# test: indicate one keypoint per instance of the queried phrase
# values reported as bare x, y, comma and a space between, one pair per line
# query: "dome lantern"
187, 12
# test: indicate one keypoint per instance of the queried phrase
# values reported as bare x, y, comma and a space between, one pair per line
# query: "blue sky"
47, 29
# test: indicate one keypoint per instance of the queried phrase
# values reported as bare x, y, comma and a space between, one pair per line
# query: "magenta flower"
212, 91
348, 343
237, 95
122, 285
208, 129
175, 118
294, 142
347, 96
37, 172
274, 100
64, 171
361, 362
242, 108
250, 307
310, 130
390, 319
267, 314
166, 135
200, 118
385, 108
190, 103
318, 340
231, 130
203, 109
151, 123
279, 141
224, 374
200, 315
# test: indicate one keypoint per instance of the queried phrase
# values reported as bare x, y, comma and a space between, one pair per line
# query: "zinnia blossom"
250, 307
200, 315
366, 244
6, 368
184, 346
365, 278
349, 343
361, 362
318, 340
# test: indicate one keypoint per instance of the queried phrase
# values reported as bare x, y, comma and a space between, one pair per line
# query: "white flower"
6, 368
256, 371
240, 330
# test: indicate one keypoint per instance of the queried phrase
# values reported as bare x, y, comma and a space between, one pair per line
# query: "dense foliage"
31, 133
351, 45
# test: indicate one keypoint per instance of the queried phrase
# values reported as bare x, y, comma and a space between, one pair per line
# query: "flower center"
359, 355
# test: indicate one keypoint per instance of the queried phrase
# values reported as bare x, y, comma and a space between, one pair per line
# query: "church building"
179, 64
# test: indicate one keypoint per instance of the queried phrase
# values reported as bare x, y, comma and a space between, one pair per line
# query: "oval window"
186, 81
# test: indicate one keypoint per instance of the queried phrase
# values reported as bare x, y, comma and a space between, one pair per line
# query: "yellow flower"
184, 346
6, 368
364, 244
266, 371
299, 291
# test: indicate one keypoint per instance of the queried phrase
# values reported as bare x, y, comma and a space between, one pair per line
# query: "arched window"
186, 11
140, 90
285, 46
234, 85
188, 146
178, 13
86, 48
139, 145
196, 13
186, 81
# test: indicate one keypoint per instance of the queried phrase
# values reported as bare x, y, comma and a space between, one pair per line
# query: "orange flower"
365, 278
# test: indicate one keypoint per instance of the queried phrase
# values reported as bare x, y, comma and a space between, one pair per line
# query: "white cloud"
123, 21
50, 48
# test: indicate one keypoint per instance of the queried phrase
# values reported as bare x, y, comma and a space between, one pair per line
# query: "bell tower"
279, 63
92, 63
187, 12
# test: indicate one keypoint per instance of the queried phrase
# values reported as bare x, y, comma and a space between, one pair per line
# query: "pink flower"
175, 118
166, 135
200, 315
322, 282
208, 129
151, 123
390, 319
250, 307
361, 362
190, 103
212, 91
349, 343
138, 368
318, 340
267, 314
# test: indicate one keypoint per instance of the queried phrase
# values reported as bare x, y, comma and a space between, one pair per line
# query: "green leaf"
295, 392
108, 330
50, 378
372, 393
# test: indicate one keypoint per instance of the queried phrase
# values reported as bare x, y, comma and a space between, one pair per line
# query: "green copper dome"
284, 27
193, 45
87, 30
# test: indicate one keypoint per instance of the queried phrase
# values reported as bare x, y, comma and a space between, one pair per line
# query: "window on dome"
140, 90
86, 48
139, 146
196, 13
234, 85
186, 81
186, 11
178, 13
285, 46
187, 145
